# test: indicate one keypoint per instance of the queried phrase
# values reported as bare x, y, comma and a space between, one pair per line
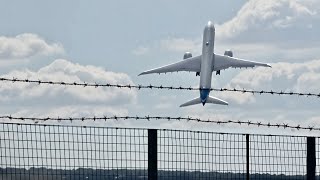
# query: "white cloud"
299, 77
67, 99
140, 51
308, 81
281, 30
26, 45
260, 18
181, 45
289, 72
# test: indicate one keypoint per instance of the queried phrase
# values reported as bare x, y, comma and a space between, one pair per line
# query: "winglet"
262, 64
145, 72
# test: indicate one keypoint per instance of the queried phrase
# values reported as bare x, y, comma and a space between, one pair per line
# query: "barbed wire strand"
148, 118
139, 87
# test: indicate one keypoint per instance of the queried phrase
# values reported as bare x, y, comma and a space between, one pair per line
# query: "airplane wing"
224, 62
191, 64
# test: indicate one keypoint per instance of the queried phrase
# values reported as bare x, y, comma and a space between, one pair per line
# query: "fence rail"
38, 151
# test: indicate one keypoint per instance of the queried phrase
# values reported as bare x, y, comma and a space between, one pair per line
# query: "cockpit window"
207, 43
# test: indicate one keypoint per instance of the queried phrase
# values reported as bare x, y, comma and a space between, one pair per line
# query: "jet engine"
228, 53
187, 55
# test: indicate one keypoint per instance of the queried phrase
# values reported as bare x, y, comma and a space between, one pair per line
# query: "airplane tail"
212, 100
192, 102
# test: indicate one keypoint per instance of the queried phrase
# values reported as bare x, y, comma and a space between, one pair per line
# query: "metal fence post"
152, 154
311, 158
248, 156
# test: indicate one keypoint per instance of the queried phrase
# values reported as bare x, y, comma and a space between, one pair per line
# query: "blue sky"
113, 41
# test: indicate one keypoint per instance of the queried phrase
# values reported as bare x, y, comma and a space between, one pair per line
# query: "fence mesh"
278, 157
71, 152
35, 151
201, 155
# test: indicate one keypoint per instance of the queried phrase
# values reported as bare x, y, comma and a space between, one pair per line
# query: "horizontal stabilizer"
212, 100
215, 100
192, 102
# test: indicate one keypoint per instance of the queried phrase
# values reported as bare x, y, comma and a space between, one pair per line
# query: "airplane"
204, 65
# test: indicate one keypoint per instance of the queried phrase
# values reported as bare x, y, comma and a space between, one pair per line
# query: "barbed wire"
148, 118
139, 87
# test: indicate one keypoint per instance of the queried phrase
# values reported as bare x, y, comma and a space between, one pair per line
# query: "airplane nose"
210, 25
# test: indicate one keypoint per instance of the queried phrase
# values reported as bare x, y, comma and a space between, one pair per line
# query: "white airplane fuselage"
204, 65
207, 61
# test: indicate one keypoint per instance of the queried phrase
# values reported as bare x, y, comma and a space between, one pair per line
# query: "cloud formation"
260, 18
140, 50
181, 45
297, 77
26, 45
35, 97
290, 74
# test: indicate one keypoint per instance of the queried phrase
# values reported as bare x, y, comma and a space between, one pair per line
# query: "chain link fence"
38, 151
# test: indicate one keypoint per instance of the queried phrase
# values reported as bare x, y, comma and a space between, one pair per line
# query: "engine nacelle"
228, 53
187, 55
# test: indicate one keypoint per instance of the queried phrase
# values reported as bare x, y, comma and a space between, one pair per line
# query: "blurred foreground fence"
36, 151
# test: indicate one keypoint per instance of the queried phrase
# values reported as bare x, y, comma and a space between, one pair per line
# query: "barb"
168, 118
139, 87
